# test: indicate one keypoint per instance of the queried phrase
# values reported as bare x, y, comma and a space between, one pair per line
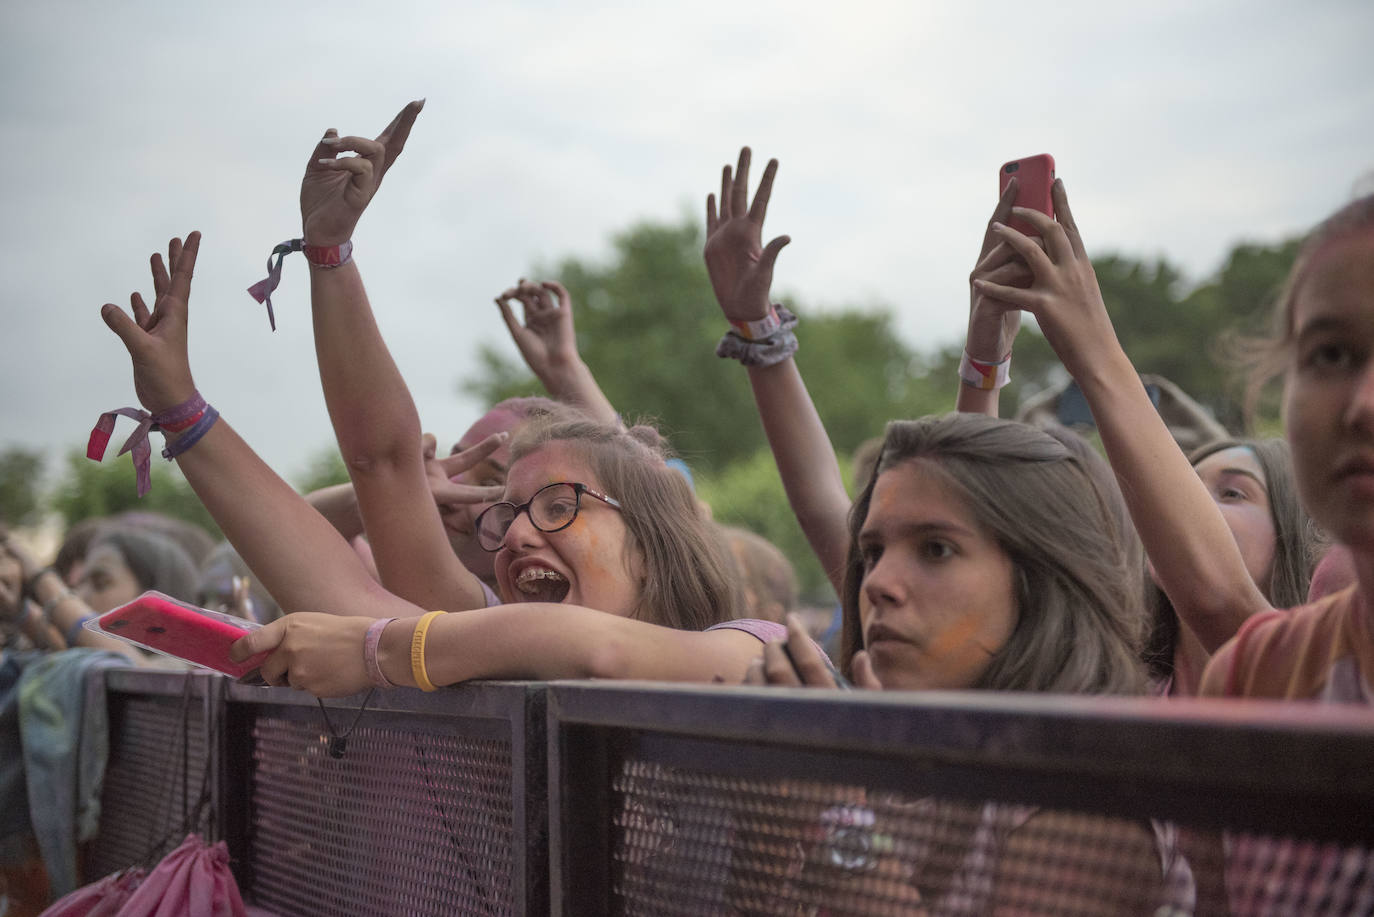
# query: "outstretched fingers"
725, 183
711, 221
739, 192
183, 267
765, 190
394, 138
126, 328
770, 255
142, 316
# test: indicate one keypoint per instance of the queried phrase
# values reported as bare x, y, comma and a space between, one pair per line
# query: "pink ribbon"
137, 443
262, 290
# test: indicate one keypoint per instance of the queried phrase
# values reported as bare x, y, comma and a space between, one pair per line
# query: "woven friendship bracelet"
191, 436
189, 413
985, 377
319, 255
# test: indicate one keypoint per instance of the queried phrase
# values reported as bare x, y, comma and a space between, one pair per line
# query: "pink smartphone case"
193, 634
1034, 177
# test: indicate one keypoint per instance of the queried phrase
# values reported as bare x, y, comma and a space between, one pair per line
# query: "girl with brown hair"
593, 520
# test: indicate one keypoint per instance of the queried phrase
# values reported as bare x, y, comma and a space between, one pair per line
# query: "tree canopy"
647, 325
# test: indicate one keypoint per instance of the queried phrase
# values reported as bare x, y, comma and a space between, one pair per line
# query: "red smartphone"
184, 631
1034, 177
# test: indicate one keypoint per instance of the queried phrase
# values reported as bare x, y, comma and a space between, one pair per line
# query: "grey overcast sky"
1180, 128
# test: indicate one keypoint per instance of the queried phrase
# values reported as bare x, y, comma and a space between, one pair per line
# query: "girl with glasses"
617, 575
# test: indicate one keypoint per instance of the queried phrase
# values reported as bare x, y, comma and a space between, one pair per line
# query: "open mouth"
541, 584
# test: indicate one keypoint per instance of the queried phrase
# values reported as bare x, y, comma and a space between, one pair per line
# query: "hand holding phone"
182, 631
1034, 180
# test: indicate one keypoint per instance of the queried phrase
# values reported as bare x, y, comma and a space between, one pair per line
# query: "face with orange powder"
936, 600
589, 563
1329, 395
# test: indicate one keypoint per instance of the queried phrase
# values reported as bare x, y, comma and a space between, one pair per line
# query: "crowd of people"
980, 553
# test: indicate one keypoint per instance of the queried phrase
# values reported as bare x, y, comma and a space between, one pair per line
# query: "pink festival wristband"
325, 256
192, 415
374, 669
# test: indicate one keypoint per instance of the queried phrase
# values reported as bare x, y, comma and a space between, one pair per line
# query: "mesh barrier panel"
693, 842
406, 822
142, 801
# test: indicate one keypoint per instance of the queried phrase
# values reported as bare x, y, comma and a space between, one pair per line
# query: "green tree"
648, 325
89, 489
21, 486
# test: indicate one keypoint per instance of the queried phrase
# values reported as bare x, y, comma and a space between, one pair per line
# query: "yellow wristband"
417, 653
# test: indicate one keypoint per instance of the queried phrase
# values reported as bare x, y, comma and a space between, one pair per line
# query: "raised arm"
1194, 555
373, 414
548, 343
992, 325
302, 561
741, 271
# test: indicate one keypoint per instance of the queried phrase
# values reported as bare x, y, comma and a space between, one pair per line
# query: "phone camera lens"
1013, 166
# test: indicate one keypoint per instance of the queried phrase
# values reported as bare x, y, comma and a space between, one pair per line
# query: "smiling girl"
609, 568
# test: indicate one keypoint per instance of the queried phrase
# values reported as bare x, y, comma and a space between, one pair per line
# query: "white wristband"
756, 330
987, 377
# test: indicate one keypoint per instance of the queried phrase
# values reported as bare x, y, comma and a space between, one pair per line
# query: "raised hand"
741, 269
1063, 295
443, 473
336, 190
992, 323
156, 338
546, 338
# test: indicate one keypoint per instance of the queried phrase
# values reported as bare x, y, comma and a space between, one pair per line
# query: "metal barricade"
628, 798
698, 800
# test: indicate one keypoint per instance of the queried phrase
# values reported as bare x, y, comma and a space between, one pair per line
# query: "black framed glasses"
551, 509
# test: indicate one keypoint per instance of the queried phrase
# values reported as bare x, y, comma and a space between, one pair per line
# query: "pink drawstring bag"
192, 881
99, 899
